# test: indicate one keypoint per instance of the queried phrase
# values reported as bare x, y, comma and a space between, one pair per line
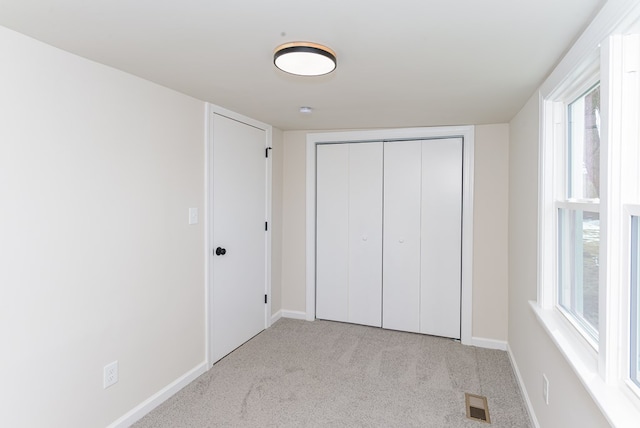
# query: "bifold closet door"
422, 236
401, 254
441, 237
349, 232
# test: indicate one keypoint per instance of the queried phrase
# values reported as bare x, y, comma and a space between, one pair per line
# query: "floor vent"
477, 408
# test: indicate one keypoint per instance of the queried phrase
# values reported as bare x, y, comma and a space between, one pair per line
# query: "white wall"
97, 171
294, 221
490, 227
490, 241
532, 349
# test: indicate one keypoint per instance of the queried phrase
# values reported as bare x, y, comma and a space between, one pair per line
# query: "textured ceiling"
400, 63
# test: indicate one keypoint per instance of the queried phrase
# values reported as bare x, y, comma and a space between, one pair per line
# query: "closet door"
349, 233
402, 200
332, 232
441, 237
365, 233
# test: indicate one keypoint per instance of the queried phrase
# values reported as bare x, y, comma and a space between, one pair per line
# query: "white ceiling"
400, 63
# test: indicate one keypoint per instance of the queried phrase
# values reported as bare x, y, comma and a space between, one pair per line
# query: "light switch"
193, 216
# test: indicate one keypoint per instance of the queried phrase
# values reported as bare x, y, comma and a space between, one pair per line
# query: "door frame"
467, 134
210, 110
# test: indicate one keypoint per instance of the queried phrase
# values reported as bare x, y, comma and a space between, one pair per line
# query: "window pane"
578, 267
583, 169
635, 301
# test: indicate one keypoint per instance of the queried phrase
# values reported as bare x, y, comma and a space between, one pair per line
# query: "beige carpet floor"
327, 374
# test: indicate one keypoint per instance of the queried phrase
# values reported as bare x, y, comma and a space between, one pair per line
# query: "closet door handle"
220, 251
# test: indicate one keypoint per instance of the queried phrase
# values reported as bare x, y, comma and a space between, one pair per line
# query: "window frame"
633, 211
553, 197
604, 372
563, 199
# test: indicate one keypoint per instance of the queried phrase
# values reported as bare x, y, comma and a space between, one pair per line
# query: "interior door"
239, 237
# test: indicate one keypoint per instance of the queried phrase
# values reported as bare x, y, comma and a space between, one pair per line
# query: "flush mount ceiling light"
305, 58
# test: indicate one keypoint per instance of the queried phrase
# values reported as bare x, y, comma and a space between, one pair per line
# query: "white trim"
615, 16
616, 404
468, 134
269, 220
275, 317
593, 207
212, 109
523, 389
572, 345
208, 233
632, 210
546, 183
159, 397
311, 232
482, 342
611, 144
466, 315
604, 374
296, 315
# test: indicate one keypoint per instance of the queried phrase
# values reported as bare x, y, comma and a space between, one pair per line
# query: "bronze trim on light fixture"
305, 47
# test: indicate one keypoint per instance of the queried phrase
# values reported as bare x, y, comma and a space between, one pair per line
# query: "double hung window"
578, 216
589, 235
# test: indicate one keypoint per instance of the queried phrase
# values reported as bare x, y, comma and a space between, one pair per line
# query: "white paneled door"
389, 234
349, 229
238, 236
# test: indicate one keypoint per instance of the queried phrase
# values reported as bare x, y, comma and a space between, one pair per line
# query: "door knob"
220, 251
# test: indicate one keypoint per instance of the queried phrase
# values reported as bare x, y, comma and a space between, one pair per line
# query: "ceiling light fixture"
304, 58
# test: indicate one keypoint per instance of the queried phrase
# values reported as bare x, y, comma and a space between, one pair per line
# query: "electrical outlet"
110, 374
545, 389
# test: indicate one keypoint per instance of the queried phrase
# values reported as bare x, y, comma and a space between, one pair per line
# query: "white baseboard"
481, 342
158, 398
523, 390
297, 315
275, 317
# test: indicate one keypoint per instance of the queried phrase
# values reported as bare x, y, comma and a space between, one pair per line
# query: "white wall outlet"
110, 374
545, 388
193, 216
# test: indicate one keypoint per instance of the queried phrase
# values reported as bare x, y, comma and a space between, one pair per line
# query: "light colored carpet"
327, 374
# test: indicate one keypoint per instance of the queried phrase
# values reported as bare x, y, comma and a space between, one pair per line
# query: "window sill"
615, 401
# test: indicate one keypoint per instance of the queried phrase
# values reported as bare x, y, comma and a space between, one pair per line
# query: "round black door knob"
220, 251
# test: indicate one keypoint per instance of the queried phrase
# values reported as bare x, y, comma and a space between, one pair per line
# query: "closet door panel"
401, 252
441, 229
332, 228
365, 233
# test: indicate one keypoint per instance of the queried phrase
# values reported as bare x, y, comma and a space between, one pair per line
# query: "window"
578, 269
578, 218
589, 219
583, 166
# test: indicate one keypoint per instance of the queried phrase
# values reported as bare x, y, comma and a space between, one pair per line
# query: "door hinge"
266, 227
265, 298
266, 152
